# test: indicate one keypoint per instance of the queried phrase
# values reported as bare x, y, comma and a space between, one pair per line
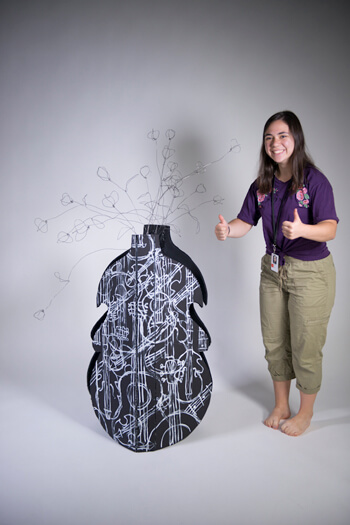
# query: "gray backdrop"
82, 84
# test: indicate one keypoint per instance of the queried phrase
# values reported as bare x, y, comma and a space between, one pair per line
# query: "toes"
291, 430
272, 423
286, 430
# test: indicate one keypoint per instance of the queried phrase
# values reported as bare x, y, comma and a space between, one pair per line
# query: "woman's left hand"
293, 230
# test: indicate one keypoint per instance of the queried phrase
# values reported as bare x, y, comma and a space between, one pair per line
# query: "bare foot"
276, 416
297, 425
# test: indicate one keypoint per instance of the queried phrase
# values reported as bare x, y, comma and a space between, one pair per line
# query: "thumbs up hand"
222, 229
293, 230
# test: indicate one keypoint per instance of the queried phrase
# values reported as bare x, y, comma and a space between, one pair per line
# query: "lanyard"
276, 223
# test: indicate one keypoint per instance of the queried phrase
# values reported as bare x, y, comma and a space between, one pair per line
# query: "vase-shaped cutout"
149, 381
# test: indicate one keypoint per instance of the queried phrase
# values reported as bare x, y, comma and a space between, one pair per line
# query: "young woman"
297, 285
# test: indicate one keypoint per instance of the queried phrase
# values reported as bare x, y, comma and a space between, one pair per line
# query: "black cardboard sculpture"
149, 381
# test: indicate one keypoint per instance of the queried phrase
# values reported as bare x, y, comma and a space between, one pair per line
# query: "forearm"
238, 228
322, 232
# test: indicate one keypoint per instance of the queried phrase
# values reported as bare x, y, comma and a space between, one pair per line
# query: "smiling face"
279, 143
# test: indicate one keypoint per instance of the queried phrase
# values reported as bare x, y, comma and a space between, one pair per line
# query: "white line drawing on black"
149, 381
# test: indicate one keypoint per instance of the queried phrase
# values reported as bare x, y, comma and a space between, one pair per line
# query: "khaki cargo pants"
295, 306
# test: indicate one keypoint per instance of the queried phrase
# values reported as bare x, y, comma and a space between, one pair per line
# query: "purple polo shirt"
314, 202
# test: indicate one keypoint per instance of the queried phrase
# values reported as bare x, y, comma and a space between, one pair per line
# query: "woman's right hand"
222, 229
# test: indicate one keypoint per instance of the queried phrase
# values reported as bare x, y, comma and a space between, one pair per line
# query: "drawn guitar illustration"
149, 381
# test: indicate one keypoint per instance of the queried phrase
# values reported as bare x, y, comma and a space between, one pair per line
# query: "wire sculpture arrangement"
157, 196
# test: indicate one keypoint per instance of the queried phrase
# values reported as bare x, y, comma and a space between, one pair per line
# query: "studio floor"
58, 466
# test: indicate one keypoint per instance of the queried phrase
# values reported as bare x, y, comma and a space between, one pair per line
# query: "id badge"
274, 262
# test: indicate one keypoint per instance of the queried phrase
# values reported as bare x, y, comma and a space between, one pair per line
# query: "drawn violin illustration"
149, 381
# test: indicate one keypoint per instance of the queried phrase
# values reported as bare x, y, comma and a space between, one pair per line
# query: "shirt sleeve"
322, 199
250, 210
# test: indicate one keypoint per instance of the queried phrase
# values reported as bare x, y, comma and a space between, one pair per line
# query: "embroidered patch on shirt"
303, 197
262, 196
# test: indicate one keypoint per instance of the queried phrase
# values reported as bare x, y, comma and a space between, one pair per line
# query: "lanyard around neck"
276, 223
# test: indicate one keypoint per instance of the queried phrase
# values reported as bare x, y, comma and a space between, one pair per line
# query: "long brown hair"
300, 158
